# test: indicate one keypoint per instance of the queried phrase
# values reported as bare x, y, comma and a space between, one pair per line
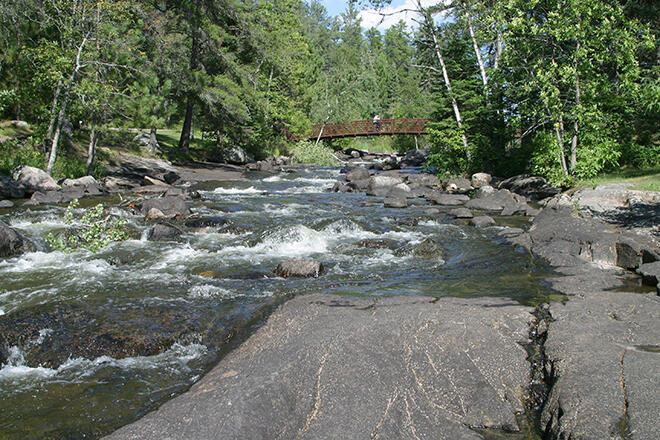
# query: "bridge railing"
368, 127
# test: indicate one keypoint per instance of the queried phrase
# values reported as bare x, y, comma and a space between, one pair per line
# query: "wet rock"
388, 163
206, 222
484, 191
341, 188
395, 202
358, 173
461, 213
414, 158
518, 208
497, 201
50, 335
6, 204
400, 191
650, 273
171, 206
446, 199
11, 242
429, 248
423, 179
164, 232
11, 189
457, 185
50, 197
330, 367
33, 179
377, 244
534, 187
481, 179
299, 268
171, 177
155, 214
482, 221
380, 185
360, 185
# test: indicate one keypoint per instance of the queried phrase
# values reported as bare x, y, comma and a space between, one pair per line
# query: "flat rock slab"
606, 361
330, 367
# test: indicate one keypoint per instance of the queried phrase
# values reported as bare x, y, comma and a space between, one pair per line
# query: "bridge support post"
416, 144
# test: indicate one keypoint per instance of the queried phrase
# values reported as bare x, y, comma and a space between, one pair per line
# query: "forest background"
561, 88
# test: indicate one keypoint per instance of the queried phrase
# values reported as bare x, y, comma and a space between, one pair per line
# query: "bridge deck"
367, 127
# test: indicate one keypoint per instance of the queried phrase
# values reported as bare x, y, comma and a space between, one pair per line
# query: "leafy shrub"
311, 153
93, 230
448, 153
15, 152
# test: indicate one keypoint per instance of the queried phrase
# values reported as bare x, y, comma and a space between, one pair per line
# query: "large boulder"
446, 199
299, 268
481, 179
329, 367
10, 189
164, 232
380, 185
358, 173
135, 168
235, 155
147, 141
33, 179
171, 206
496, 201
11, 242
414, 158
422, 179
533, 187
457, 185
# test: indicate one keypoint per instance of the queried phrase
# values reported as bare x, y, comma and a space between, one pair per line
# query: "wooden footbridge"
367, 127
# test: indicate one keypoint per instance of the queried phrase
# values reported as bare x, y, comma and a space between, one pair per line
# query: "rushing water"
217, 278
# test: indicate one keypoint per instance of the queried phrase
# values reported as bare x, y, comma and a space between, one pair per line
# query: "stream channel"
195, 293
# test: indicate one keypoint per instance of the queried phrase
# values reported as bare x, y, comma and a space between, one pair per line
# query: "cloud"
387, 17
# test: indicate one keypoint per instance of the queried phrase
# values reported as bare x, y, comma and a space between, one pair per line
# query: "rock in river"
299, 268
327, 367
11, 242
171, 206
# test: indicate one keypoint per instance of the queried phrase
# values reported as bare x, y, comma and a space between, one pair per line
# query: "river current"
219, 277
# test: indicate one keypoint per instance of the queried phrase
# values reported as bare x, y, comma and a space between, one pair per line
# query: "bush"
311, 153
93, 230
15, 152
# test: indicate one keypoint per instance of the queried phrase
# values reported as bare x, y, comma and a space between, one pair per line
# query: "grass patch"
645, 179
9, 130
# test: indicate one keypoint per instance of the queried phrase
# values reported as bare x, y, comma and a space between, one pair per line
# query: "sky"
372, 18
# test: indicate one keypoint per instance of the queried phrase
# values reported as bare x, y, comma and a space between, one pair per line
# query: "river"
215, 281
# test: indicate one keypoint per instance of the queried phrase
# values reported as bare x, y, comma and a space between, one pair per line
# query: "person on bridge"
377, 122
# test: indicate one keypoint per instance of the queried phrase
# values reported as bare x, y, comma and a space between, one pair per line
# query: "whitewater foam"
238, 191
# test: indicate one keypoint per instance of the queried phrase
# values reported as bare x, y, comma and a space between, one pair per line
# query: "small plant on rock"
93, 230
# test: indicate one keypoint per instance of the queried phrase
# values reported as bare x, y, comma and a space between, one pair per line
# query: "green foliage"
544, 162
15, 152
310, 153
92, 230
448, 153
7, 99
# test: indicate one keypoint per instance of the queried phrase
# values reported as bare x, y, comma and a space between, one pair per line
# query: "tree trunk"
477, 52
186, 130
91, 150
576, 121
559, 134
436, 45
62, 113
